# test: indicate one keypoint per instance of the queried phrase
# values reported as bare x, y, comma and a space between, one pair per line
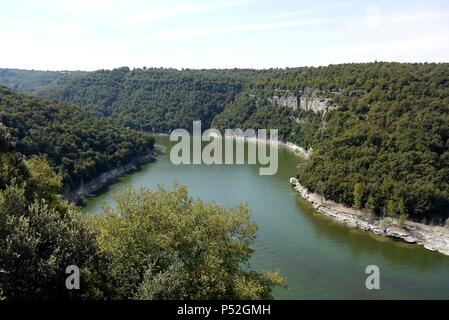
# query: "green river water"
319, 258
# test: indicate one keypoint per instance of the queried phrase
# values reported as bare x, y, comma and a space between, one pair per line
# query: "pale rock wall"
86, 189
433, 238
289, 101
314, 103
307, 99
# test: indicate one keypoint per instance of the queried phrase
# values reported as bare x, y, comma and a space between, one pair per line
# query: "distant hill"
34, 81
152, 99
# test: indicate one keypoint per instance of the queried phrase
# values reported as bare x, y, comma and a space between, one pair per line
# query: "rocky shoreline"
106, 178
297, 149
293, 147
433, 238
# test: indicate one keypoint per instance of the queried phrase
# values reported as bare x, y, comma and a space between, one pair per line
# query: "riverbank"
297, 149
331, 258
433, 238
107, 178
291, 146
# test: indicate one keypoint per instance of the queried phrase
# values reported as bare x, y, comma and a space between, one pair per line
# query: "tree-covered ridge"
387, 147
384, 148
77, 145
157, 100
33, 81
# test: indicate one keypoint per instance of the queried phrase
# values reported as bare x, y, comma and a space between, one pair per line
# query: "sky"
100, 34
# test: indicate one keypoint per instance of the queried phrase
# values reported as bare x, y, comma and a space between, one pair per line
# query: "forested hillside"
78, 146
387, 146
157, 100
383, 145
34, 81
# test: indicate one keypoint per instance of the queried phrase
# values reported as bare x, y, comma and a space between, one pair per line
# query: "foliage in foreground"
154, 245
40, 234
164, 245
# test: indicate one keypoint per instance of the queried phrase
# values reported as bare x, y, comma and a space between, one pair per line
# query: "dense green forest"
385, 147
34, 81
78, 145
160, 258
157, 100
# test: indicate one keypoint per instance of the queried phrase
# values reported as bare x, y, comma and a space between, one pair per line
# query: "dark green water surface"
319, 258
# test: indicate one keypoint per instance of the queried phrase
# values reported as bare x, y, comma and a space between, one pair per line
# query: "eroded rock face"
410, 239
433, 238
315, 103
307, 99
289, 101
399, 233
86, 189
396, 232
430, 247
293, 181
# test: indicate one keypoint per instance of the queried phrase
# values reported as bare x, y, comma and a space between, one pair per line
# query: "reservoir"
319, 258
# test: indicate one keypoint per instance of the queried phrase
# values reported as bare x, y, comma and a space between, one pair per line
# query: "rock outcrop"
308, 99
315, 104
106, 178
297, 149
433, 238
287, 101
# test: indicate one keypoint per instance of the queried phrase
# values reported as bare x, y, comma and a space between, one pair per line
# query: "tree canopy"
78, 145
162, 244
